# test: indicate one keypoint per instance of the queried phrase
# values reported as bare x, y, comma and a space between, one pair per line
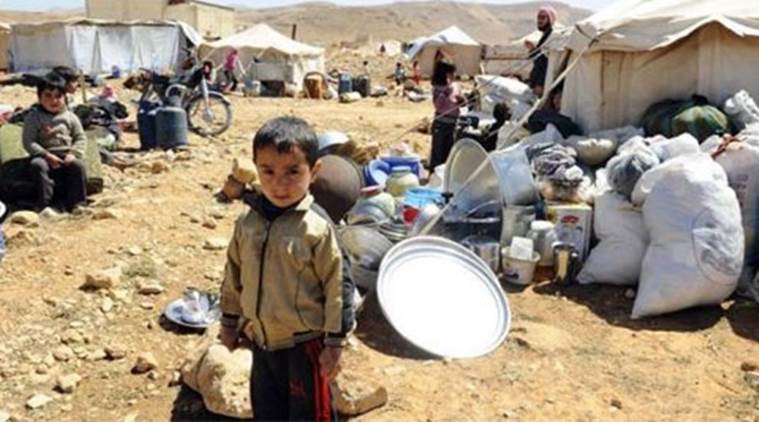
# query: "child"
287, 285
399, 74
447, 99
416, 73
54, 138
230, 66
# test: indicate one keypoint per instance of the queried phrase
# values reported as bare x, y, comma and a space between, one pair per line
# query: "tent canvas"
460, 48
5, 36
646, 51
96, 46
279, 58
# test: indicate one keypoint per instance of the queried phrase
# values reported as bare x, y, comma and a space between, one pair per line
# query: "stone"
219, 375
4, 416
115, 352
108, 214
159, 167
71, 336
107, 305
147, 306
66, 384
752, 379
103, 279
38, 401
244, 171
132, 417
617, 403
357, 399
96, 355
209, 224
23, 237
215, 244
51, 214
63, 353
25, 218
749, 366
134, 251
145, 362
147, 288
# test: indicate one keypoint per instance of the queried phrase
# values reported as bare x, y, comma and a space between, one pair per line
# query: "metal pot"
516, 222
489, 250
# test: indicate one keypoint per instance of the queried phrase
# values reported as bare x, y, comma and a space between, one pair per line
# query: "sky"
43, 5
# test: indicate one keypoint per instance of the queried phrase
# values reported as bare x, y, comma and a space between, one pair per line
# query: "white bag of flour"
623, 241
695, 255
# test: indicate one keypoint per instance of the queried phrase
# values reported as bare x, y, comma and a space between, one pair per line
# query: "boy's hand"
69, 159
229, 337
329, 361
53, 161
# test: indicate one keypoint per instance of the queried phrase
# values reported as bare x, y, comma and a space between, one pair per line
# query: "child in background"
399, 74
287, 285
230, 66
56, 141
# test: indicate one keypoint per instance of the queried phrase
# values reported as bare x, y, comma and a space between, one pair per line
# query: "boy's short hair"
51, 82
286, 133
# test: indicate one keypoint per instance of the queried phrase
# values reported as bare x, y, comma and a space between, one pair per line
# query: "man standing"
546, 20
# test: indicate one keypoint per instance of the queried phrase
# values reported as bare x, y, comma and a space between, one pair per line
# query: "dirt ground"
573, 353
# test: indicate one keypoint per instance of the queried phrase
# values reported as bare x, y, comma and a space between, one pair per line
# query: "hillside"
326, 23
27, 17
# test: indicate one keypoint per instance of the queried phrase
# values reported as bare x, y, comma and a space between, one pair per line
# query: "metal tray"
442, 298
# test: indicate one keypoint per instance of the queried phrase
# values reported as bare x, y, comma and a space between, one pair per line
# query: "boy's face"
52, 100
285, 177
72, 86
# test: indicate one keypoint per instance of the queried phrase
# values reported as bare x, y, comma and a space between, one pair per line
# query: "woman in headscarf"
546, 19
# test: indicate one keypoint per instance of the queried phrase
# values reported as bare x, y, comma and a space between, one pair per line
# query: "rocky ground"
81, 337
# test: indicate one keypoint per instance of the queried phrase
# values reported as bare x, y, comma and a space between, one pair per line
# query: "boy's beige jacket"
284, 278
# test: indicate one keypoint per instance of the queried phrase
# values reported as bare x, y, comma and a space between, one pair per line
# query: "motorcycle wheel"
212, 120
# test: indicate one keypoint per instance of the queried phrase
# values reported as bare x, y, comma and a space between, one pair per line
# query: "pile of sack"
676, 201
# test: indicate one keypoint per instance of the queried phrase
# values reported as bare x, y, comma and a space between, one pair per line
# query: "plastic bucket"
519, 271
421, 196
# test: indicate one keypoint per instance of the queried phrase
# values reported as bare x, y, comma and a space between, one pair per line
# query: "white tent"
278, 58
5, 37
97, 46
455, 44
646, 51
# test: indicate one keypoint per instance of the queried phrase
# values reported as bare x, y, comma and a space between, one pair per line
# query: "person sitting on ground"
447, 99
286, 248
71, 79
399, 74
54, 138
230, 67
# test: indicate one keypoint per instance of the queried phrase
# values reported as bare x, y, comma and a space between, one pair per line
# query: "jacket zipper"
261, 281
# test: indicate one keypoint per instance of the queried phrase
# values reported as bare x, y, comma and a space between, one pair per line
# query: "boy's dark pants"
287, 385
67, 183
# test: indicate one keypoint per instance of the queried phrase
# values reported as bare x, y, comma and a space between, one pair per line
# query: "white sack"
741, 163
619, 135
623, 241
696, 239
750, 134
741, 109
651, 177
668, 149
592, 151
502, 88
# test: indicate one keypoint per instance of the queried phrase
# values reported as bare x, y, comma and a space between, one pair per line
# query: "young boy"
287, 285
54, 138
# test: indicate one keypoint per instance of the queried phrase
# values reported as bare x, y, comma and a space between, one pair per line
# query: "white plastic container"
518, 271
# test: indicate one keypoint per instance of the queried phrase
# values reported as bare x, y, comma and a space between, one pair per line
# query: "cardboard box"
573, 223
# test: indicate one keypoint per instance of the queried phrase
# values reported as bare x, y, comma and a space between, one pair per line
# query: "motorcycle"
209, 112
